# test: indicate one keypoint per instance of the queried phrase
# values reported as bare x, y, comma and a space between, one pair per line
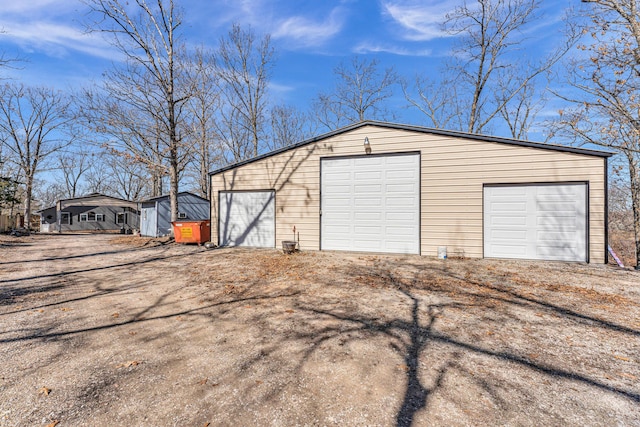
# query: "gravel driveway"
132, 332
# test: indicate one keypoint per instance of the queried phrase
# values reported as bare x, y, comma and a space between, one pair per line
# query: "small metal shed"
155, 213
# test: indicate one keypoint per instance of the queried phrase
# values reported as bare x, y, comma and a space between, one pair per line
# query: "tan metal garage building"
382, 187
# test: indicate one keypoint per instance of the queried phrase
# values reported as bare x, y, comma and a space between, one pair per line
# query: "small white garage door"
545, 222
371, 203
247, 218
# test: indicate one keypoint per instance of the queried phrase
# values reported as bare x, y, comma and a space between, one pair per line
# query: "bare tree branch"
360, 94
152, 86
243, 66
35, 123
288, 126
487, 77
606, 90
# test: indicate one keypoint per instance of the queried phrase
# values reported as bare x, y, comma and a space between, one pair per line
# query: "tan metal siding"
453, 171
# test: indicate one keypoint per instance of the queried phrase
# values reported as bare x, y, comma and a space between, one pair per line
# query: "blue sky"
310, 38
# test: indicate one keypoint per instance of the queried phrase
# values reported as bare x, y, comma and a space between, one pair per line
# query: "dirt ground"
97, 331
624, 245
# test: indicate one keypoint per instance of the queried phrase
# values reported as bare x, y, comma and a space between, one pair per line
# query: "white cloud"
280, 88
284, 20
50, 26
420, 20
56, 39
33, 6
365, 47
306, 32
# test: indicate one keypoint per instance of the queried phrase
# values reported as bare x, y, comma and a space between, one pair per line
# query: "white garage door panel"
509, 251
547, 222
371, 204
401, 188
365, 202
400, 216
503, 220
367, 216
505, 207
247, 218
508, 234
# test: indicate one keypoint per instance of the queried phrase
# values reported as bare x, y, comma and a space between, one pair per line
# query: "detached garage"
389, 188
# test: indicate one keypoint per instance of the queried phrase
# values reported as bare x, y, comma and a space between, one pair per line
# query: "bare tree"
73, 166
288, 126
620, 204
5, 61
519, 113
99, 178
243, 66
131, 128
146, 33
606, 90
360, 94
437, 101
48, 193
202, 108
115, 175
129, 179
35, 122
489, 70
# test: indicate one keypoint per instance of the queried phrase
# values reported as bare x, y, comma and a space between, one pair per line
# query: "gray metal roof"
94, 196
166, 196
422, 129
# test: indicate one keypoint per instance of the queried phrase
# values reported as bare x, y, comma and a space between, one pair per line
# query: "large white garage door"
371, 204
247, 218
546, 222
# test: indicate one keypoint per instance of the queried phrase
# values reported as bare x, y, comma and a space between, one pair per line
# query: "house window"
121, 218
65, 218
182, 215
99, 217
91, 216
82, 217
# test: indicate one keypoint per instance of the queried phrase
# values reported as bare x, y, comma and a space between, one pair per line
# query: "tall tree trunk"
204, 172
173, 186
27, 202
173, 129
156, 178
29, 175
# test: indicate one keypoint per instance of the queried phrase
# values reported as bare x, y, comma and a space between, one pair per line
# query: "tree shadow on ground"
141, 318
411, 338
70, 257
99, 268
411, 332
8, 294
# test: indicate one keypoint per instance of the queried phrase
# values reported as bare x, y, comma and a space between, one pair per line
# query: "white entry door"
247, 218
545, 222
371, 203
